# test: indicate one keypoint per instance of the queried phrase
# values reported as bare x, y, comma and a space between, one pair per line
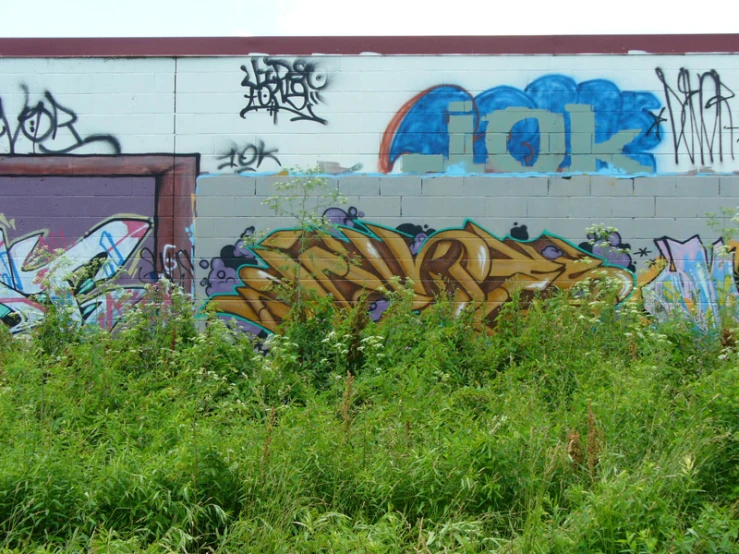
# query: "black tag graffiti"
175, 265
247, 158
278, 85
41, 124
699, 114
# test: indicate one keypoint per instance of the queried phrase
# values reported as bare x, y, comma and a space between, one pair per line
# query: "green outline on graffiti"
362, 229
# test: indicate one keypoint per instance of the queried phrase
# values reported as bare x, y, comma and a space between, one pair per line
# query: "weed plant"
575, 426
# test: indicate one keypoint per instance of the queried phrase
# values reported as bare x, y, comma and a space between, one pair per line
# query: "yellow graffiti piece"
468, 263
7, 223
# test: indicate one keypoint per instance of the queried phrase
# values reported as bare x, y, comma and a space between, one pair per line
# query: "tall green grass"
575, 427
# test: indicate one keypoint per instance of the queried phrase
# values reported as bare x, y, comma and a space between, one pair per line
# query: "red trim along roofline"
391, 45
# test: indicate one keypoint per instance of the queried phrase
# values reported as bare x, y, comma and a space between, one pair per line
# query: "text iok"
583, 150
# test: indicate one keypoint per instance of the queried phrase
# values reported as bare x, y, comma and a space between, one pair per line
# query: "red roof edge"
391, 45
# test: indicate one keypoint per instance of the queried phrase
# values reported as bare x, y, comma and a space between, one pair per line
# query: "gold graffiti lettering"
468, 264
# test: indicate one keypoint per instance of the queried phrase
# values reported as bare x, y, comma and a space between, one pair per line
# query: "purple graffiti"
337, 216
377, 308
695, 280
611, 249
223, 275
418, 233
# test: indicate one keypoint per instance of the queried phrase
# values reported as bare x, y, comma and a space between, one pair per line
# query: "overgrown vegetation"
575, 427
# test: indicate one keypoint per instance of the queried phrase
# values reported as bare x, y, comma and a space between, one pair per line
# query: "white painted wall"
192, 105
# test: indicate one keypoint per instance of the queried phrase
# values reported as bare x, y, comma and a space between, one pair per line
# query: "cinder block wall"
656, 218
533, 146
641, 208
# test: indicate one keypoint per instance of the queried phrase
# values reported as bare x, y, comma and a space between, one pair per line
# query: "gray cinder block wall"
479, 163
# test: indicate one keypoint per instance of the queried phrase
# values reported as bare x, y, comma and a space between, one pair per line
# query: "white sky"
166, 18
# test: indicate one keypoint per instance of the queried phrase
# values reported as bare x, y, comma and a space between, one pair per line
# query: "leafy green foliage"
575, 427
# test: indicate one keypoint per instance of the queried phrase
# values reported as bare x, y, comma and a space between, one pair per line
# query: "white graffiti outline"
29, 273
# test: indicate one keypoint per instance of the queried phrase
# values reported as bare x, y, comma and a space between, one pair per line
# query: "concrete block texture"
575, 229
507, 207
443, 186
655, 186
226, 185
651, 228
587, 206
265, 185
378, 206
359, 185
687, 207
552, 206
233, 206
688, 227
577, 185
400, 186
428, 207
418, 141
729, 185
611, 186
504, 186
695, 185
465, 206
642, 208
633, 207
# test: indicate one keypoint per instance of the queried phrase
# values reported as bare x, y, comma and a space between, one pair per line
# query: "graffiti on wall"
553, 125
352, 257
172, 263
47, 127
608, 246
689, 278
89, 235
335, 168
81, 277
700, 115
611, 248
470, 263
248, 157
223, 270
276, 85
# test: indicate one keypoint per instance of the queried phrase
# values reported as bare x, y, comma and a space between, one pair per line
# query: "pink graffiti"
81, 276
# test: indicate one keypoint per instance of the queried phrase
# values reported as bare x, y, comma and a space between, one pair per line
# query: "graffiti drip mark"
699, 113
49, 127
278, 85
85, 272
471, 264
248, 158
